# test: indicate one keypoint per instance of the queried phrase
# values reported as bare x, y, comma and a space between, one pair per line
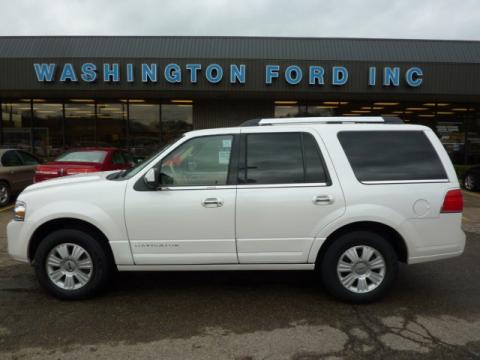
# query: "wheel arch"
389, 233
4, 180
68, 223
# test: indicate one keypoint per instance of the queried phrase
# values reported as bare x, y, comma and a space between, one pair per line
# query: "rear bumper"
16, 241
428, 258
436, 239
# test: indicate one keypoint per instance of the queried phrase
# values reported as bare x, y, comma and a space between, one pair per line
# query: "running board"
216, 267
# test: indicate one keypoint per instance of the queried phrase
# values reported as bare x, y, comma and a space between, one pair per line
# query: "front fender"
109, 221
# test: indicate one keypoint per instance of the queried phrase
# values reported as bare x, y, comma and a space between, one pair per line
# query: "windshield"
136, 169
83, 156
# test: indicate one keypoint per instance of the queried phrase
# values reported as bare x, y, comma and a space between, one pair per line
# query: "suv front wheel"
359, 266
71, 264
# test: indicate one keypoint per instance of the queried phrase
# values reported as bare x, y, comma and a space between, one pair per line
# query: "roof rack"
325, 120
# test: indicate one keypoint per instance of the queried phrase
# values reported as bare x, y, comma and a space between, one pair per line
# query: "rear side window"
283, 158
391, 156
117, 158
83, 156
28, 159
10, 158
314, 165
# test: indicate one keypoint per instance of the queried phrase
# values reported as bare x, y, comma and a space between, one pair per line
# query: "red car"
84, 160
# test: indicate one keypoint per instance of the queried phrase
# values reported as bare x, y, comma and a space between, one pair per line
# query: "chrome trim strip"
266, 186
175, 188
405, 181
253, 186
217, 267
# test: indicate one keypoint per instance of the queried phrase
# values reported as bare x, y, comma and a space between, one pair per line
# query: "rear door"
286, 194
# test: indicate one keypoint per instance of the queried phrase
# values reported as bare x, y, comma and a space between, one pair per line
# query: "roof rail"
325, 120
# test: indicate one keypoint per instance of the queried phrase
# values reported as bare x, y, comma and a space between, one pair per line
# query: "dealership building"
139, 93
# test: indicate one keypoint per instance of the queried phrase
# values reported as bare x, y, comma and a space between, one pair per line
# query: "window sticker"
223, 157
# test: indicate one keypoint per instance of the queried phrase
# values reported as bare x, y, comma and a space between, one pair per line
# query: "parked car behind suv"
16, 172
471, 178
349, 197
84, 160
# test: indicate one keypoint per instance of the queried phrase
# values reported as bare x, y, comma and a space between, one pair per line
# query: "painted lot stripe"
469, 193
6, 208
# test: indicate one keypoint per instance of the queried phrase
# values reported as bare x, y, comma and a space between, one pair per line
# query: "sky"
416, 19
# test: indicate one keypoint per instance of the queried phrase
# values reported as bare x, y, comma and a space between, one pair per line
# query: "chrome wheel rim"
69, 266
361, 269
3, 194
469, 181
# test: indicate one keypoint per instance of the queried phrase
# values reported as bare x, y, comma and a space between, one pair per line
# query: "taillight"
453, 202
45, 170
80, 171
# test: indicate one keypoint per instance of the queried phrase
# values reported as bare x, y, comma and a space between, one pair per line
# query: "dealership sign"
314, 75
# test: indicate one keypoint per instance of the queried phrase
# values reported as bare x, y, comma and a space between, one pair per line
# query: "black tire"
6, 193
331, 258
470, 182
100, 273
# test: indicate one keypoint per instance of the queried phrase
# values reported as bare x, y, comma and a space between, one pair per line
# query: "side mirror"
151, 178
165, 179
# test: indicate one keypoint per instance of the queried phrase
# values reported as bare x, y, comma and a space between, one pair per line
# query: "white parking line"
470, 193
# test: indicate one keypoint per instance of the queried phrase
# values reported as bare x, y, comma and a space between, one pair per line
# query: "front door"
17, 173
29, 164
190, 219
287, 195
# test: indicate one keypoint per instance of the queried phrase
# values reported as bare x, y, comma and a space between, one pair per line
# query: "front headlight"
19, 211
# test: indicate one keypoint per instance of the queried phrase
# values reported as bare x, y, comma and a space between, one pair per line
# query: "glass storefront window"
283, 111
176, 119
144, 129
473, 136
79, 125
457, 125
16, 125
321, 110
452, 136
48, 131
111, 125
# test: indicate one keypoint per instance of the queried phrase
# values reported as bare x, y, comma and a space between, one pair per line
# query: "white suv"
350, 197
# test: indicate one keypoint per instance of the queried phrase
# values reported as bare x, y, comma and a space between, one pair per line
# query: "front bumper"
17, 241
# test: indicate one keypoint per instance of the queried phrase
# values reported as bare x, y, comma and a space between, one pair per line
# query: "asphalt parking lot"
433, 312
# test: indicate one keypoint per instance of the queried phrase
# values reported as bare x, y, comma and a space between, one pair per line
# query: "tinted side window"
202, 161
274, 158
128, 158
10, 158
391, 155
27, 158
314, 166
117, 158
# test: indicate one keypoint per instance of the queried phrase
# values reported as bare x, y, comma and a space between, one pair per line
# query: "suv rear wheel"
71, 264
359, 267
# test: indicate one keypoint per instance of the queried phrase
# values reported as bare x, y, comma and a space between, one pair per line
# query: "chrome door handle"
212, 202
323, 199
